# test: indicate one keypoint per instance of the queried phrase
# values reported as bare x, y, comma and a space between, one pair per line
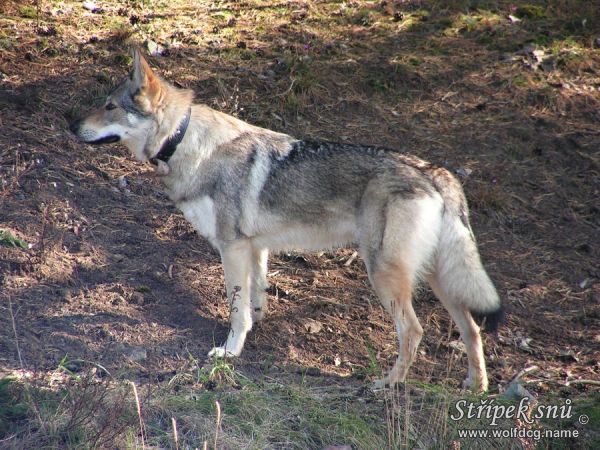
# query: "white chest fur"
201, 213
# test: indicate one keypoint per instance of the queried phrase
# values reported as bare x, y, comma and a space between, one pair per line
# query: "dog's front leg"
237, 262
259, 285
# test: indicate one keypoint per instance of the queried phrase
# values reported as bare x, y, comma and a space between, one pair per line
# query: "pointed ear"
146, 89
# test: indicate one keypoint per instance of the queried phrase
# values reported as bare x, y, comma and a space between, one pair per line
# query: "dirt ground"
114, 275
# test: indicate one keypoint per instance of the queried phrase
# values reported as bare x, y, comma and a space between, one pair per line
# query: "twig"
9, 438
283, 94
175, 435
565, 383
92, 363
525, 371
218, 405
26, 385
139, 411
592, 382
14, 327
351, 259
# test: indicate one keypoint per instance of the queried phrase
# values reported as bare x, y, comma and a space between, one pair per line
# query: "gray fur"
249, 190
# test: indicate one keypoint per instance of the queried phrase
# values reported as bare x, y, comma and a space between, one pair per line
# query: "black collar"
170, 145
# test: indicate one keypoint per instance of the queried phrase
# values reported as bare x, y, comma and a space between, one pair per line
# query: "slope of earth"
97, 266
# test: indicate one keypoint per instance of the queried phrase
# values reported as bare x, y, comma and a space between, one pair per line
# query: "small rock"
137, 298
292, 352
464, 172
523, 344
118, 257
90, 6
313, 326
123, 183
516, 391
47, 31
154, 49
313, 372
539, 55
137, 354
548, 64
513, 19
567, 356
299, 14
458, 346
66, 295
73, 366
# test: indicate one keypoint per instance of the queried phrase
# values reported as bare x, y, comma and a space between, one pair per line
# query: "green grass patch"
480, 21
263, 413
530, 12
9, 240
13, 410
28, 12
143, 289
373, 368
84, 413
269, 416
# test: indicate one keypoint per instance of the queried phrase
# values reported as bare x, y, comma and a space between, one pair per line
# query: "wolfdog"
251, 191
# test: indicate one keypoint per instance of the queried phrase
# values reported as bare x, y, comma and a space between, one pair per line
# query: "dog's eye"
110, 106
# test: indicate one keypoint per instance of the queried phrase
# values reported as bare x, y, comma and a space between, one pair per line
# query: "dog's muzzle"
75, 128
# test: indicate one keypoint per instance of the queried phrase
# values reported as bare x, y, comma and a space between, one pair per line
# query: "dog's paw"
475, 386
221, 352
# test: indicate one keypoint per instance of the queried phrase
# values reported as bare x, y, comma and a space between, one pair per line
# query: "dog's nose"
74, 127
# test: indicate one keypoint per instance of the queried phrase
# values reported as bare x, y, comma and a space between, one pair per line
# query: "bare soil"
114, 274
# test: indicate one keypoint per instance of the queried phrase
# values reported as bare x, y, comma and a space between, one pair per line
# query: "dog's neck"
170, 145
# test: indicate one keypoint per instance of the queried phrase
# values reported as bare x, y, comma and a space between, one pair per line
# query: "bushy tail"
459, 271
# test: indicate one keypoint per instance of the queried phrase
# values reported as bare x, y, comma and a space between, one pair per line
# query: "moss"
530, 12
28, 12
123, 60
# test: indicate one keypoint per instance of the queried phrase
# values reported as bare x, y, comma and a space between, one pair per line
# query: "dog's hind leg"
393, 284
237, 264
259, 285
398, 239
469, 332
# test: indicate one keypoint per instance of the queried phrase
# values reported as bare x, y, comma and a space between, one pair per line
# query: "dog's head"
141, 113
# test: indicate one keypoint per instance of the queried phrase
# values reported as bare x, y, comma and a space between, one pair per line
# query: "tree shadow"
116, 281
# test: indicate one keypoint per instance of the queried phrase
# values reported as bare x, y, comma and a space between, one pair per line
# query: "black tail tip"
491, 321
74, 127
